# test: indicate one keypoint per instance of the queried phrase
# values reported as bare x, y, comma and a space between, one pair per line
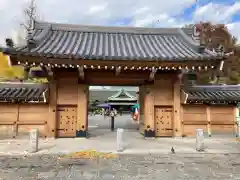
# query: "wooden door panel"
163, 121
66, 126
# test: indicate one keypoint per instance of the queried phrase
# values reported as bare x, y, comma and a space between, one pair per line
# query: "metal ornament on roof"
196, 33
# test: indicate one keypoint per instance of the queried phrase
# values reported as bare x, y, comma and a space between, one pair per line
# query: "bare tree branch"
30, 16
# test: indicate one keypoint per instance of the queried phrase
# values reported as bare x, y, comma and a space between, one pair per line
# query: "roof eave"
119, 99
14, 52
212, 102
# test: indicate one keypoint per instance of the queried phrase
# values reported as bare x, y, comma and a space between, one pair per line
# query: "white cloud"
217, 13
97, 9
108, 12
98, 12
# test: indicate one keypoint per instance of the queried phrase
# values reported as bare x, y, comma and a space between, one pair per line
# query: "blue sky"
145, 13
148, 13
189, 12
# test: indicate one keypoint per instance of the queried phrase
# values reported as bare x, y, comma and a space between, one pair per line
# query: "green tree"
9, 72
233, 78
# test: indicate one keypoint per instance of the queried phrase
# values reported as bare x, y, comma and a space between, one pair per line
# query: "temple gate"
74, 57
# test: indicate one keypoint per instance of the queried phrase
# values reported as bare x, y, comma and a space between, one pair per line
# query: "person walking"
112, 115
136, 114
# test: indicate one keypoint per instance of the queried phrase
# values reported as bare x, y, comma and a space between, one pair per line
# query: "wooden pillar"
82, 112
177, 108
16, 122
141, 96
208, 113
52, 122
236, 121
181, 119
149, 112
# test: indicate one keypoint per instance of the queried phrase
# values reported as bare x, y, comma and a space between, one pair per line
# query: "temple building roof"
23, 92
55, 40
122, 95
218, 94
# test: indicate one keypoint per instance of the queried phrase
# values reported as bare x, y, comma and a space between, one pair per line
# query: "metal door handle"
61, 129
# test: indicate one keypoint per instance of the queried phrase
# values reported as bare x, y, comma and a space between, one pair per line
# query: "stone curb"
126, 152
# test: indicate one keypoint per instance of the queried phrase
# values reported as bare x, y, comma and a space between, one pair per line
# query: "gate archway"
73, 57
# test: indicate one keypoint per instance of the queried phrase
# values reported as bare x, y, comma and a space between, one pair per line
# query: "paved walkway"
127, 167
134, 143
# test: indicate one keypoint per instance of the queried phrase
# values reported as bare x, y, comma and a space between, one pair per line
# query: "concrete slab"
102, 139
134, 143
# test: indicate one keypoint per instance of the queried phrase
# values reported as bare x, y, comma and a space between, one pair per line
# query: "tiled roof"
23, 92
122, 95
213, 94
113, 43
102, 95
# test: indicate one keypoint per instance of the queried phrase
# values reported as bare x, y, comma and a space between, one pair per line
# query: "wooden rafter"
26, 71
81, 72
125, 65
48, 71
152, 74
118, 70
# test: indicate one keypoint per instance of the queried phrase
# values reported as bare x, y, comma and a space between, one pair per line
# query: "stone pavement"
134, 167
134, 143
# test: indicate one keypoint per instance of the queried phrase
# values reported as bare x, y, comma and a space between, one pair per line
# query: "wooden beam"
53, 96
82, 114
26, 71
118, 70
48, 71
112, 82
133, 63
177, 108
81, 72
208, 114
111, 75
